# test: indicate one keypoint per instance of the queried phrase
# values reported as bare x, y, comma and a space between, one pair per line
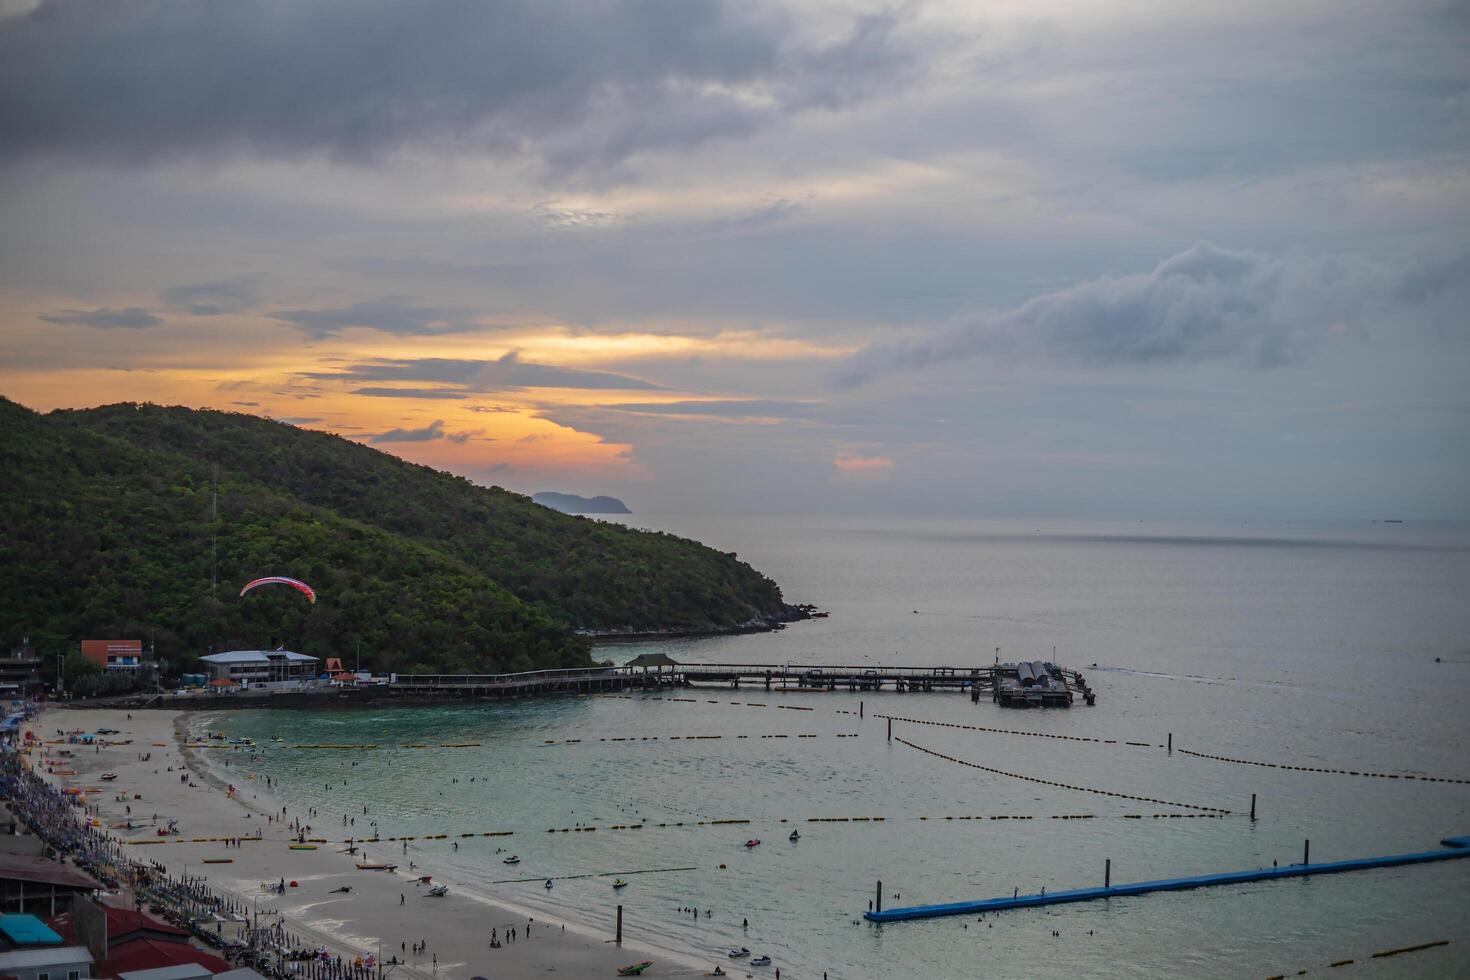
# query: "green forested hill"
108, 531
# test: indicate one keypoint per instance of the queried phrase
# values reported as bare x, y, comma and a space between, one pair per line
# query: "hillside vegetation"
110, 530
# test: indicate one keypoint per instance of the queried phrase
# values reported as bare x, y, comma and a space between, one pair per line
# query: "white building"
247, 667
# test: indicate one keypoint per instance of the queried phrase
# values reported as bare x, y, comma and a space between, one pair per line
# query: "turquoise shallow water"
1312, 646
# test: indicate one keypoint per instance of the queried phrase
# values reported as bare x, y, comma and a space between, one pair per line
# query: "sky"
1049, 258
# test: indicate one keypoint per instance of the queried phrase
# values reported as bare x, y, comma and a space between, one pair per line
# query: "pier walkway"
976, 681
987, 681
1455, 848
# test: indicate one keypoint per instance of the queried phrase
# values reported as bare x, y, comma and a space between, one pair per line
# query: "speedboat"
513, 859
438, 891
735, 954
761, 961
620, 883
794, 836
753, 842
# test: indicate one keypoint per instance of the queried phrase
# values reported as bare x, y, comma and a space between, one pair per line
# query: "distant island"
570, 503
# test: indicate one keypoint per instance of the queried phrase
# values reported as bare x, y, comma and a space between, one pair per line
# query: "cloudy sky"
1051, 258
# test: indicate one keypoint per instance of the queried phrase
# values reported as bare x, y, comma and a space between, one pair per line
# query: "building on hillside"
31, 950
20, 672
115, 654
33, 885
247, 667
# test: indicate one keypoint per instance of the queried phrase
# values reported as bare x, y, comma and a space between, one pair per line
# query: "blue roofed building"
32, 950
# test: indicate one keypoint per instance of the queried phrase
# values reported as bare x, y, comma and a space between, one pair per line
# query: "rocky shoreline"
759, 624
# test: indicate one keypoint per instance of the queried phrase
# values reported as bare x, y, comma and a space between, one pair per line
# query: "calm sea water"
1330, 646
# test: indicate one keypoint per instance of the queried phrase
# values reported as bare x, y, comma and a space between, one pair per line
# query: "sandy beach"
384, 911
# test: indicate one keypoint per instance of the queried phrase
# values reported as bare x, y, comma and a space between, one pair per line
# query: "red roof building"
137, 941
114, 654
150, 954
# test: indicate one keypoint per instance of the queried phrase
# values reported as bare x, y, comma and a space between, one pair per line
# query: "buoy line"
1050, 782
1381, 954
1330, 772
676, 738
673, 824
1012, 731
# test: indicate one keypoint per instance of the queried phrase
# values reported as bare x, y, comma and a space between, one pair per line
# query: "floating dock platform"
1037, 684
1455, 848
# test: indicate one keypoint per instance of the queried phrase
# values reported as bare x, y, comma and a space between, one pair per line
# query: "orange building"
114, 654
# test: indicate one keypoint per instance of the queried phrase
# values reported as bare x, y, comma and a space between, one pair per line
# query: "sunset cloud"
434, 430
867, 467
132, 318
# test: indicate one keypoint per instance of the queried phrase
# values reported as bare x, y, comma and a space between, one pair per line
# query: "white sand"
456, 927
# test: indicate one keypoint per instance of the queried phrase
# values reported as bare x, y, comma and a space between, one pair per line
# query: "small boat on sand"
636, 970
513, 859
761, 961
375, 866
753, 842
438, 891
736, 954
108, 777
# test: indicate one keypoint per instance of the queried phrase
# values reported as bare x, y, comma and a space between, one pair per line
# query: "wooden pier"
987, 681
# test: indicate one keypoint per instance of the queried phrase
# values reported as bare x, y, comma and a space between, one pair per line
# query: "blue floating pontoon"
1455, 847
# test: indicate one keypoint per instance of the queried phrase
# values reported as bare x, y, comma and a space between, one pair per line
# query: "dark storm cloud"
434, 430
130, 318
726, 409
1203, 304
575, 83
215, 298
1431, 279
429, 393
390, 314
507, 371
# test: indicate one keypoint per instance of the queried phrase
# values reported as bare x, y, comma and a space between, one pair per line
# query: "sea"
1340, 647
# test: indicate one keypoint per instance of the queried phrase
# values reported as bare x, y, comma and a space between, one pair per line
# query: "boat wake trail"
1193, 678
